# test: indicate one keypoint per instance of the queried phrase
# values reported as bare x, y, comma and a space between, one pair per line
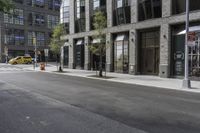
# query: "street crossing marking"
8, 69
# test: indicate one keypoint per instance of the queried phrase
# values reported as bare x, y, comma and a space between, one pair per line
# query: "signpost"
186, 81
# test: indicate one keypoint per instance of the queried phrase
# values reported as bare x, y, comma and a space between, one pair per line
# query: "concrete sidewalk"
154, 81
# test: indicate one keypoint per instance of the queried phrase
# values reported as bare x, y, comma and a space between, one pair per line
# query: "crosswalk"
10, 69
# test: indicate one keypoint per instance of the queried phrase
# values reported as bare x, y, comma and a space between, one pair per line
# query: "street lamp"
186, 81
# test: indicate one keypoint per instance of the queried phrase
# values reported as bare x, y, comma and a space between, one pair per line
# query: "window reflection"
149, 9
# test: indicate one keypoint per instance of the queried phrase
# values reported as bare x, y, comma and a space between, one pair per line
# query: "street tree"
6, 5
99, 48
56, 42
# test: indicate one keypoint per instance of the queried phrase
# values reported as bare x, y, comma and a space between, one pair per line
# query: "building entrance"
149, 52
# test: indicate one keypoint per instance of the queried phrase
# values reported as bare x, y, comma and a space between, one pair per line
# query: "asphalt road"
38, 102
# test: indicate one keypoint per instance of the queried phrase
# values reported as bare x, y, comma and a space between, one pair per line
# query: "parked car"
21, 60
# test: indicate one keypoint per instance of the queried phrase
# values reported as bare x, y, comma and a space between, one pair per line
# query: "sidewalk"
153, 81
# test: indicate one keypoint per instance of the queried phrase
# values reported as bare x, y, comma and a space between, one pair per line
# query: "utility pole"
186, 81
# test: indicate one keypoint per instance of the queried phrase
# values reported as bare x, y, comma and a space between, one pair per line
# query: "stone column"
134, 11
166, 8
164, 51
71, 23
71, 53
87, 15
109, 6
109, 52
87, 54
132, 51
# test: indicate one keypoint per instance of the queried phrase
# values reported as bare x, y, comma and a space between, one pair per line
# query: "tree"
56, 43
6, 5
99, 49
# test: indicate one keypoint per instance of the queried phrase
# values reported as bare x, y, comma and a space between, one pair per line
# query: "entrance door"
149, 52
80, 56
66, 55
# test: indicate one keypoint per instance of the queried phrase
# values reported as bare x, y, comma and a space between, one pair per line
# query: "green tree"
99, 49
56, 42
6, 5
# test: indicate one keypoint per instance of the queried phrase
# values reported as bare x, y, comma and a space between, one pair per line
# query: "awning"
121, 37
80, 42
66, 44
191, 29
97, 40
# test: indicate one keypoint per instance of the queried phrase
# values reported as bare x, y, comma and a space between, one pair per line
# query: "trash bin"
42, 66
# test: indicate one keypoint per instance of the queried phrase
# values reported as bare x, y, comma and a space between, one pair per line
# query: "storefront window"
149, 9
121, 54
179, 6
178, 51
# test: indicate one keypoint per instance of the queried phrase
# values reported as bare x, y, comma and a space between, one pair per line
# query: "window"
15, 16
121, 12
36, 19
64, 14
36, 3
54, 4
52, 21
19, 1
40, 38
80, 16
149, 9
98, 5
179, 6
14, 37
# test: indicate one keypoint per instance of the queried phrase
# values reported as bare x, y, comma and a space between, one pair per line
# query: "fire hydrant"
42, 66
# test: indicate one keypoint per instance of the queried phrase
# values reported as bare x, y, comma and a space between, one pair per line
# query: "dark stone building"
29, 18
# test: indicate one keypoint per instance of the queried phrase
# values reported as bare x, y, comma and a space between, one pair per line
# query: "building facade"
29, 18
144, 36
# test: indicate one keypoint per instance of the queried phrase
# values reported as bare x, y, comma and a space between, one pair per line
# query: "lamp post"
186, 81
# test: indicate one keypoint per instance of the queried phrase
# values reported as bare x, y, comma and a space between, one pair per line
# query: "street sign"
191, 39
46, 52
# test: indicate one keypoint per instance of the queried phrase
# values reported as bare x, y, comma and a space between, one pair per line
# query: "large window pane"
149, 9
179, 6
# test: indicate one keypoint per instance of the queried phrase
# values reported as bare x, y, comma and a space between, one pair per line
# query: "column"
132, 51
166, 8
134, 11
164, 51
87, 14
109, 6
109, 52
71, 53
87, 54
72, 23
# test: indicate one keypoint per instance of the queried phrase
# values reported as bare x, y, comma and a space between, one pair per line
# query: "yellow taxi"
21, 60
